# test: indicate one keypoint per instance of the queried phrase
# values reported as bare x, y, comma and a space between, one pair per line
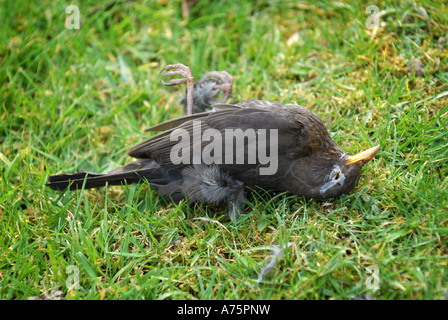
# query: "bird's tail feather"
131, 173
91, 180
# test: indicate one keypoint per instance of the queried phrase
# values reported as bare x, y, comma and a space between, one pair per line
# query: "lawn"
76, 99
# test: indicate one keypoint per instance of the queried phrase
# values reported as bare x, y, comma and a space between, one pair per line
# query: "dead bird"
251, 144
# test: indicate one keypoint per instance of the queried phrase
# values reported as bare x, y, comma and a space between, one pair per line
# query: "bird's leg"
180, 70
235, 200
226, 82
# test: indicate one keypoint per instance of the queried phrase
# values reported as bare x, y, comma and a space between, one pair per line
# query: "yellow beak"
363, 156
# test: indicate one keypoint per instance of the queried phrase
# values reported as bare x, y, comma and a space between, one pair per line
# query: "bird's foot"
235, 200
180, 70
226, 82
235, 210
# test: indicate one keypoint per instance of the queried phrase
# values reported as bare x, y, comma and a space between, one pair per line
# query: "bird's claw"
226, 82
180, 70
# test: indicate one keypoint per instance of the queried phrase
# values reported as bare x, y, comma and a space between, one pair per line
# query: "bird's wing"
158, 147
275, 117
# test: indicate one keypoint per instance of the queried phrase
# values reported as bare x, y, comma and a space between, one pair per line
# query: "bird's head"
332, 176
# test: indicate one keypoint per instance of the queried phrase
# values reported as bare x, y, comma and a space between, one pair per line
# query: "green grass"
77, 100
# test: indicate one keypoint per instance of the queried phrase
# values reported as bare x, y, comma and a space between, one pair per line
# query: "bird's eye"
337, 175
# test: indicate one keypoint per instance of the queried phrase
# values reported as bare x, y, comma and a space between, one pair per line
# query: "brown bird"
213, 157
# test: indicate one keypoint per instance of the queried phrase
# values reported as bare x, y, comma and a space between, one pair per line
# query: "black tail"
131, 173
92, 180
